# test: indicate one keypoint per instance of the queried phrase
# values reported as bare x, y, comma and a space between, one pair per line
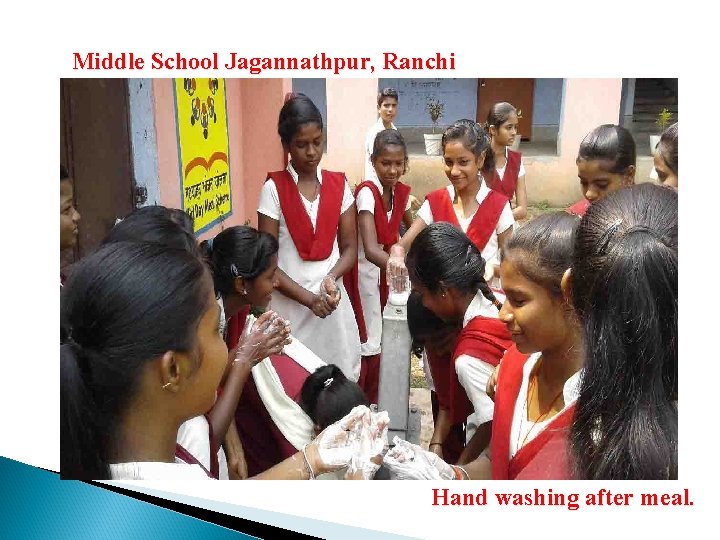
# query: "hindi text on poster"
203, 147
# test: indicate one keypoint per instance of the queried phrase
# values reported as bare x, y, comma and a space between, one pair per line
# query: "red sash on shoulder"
235, 326
483, 222
312, 245
508, 183
544, 457
485, 338
579, 208
387, 230
263, 442
388, 233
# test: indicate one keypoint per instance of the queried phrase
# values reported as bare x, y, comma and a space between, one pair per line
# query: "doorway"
95, 149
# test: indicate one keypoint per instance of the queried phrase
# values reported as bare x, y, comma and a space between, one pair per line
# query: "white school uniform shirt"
335, 339
369, 277
473, 373
491, 251
194, 436
376, 128
523, 431
156, 470
501, 170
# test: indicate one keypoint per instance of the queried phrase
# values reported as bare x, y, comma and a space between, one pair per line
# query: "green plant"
435, 109
543, 205
663, 119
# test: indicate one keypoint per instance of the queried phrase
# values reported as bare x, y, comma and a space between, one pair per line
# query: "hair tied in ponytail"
642, 228
605, 237
78, 356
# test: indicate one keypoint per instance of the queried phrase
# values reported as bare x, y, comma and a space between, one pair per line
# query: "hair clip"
328, 382
210, 242
234, 270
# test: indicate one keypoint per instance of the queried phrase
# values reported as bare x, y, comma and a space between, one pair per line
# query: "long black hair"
625, 285
327, 395
124, 305
238, 251
610, 143
542, 249
295, 113
474, 137
424, 325
443, 253
156, 225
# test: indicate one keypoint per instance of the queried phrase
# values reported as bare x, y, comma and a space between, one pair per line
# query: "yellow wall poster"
201, 118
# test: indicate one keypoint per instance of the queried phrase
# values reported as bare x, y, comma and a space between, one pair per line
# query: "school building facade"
119, 137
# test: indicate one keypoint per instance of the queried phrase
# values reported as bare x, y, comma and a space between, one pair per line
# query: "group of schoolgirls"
276, 390
567, 398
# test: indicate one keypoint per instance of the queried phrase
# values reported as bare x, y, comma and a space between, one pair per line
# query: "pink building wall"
587, 103
351, 109
261, 149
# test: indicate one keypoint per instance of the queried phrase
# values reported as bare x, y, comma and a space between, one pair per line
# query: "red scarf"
483, 222
388, 233
234, 327
263, 442
508, 183
312, 245
485, 338
579, 208
547, 456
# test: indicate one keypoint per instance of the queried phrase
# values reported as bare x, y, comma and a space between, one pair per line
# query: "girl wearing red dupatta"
539, 379
383, 202
446, 269
483, 214
509, 175
312, 214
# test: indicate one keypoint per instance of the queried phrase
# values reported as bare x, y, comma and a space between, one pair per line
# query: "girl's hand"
334, 448
407, 461
237, 466
397, 274
320, 307
371, 443
367, 472
330, 292
436, 449
269, 335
